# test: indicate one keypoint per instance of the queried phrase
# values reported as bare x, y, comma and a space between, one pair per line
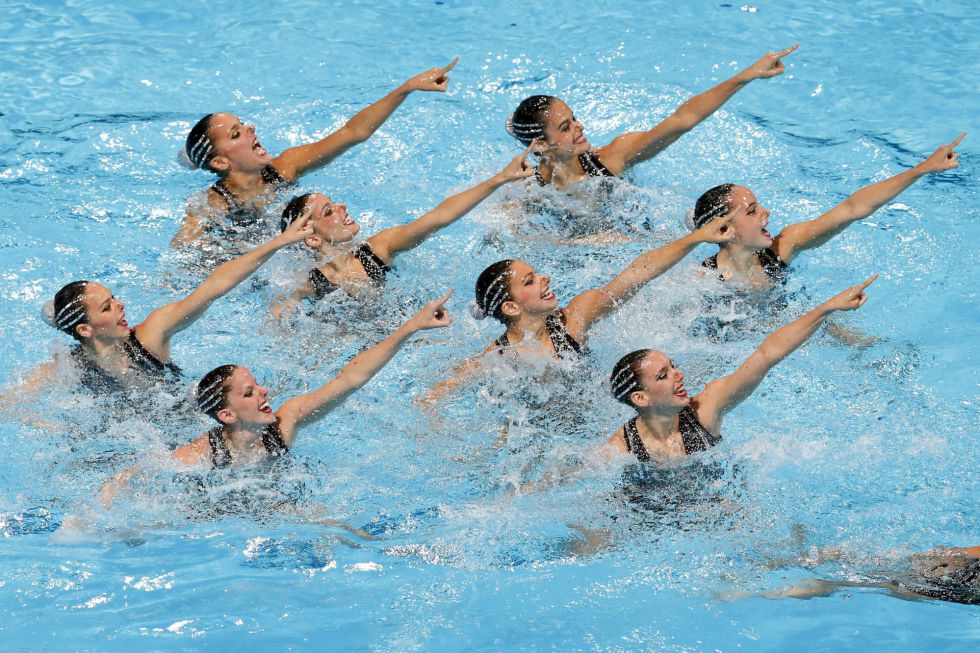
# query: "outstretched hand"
299, 229
770, 64
434, 79
433, 315
719, 230
944, 158
519, 168
851, 298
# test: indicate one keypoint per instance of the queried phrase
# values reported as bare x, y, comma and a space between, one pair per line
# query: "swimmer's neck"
561, 173
107, 354
244, 439
657, 424
244, 182
527, 325
739, 260
335, 258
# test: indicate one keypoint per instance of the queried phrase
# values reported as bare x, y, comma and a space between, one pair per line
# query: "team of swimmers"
669, 421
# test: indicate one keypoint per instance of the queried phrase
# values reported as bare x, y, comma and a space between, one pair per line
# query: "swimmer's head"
198, 146
331, 221
87, 310
219, 142
510, 288
67, 310
230, 395
647, 378
749, 218
551, 121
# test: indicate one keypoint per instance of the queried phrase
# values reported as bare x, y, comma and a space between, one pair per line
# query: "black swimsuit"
97, 379
272, 440
772, 265
242, 213
590, 163
693, 433
565, 345
376, 270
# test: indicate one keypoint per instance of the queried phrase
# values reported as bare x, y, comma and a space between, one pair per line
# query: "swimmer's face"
236, 147
564, 135
530, 292
105, 316
749, 219
246, 402
662, 384
331, 222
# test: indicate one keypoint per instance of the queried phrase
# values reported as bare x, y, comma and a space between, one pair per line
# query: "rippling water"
871, 449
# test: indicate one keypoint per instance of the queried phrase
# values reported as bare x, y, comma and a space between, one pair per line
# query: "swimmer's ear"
219, 163
226, 416
639, 399
84, 330
510, 309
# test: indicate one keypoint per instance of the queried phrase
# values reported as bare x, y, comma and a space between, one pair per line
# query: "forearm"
365, 365
784, 341
367, 121
869, 199
454, 207
704, 104
231, 273
652, 264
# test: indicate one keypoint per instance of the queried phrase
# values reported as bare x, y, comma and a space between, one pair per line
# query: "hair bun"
477, 312
185, 160
47, 313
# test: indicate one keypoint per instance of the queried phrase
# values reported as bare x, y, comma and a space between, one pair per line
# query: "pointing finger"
791, 49
445, 298
957, 141
871, 280
452, 64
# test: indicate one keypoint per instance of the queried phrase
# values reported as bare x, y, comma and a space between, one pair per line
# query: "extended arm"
721, 395
390, 242
861, 204
160, 326
297, 161
631, 148
313, 406
591, 305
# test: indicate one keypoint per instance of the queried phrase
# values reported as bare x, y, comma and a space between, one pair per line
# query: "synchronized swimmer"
669, 423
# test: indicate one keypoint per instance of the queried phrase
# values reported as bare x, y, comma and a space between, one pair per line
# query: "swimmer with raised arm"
669, 423
756, 259
566, 155
515, 294
110, 353
341, 267
248, 175
250, 430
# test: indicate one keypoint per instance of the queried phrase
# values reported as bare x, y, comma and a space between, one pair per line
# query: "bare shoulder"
617, 442
194, 452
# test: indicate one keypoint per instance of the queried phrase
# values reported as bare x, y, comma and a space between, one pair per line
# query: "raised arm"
390, 242
313, 406
861, 204
159, 327
586, 308
721, 395
297, 161
631, 148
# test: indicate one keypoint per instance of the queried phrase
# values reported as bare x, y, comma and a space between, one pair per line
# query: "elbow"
683, 120
356, 135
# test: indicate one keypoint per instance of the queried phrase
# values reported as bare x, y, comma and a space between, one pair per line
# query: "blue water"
868, 449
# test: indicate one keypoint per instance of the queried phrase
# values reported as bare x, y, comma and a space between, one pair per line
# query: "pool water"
870, 450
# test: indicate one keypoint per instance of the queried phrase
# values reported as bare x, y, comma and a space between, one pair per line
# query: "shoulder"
194, 452
617, 441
